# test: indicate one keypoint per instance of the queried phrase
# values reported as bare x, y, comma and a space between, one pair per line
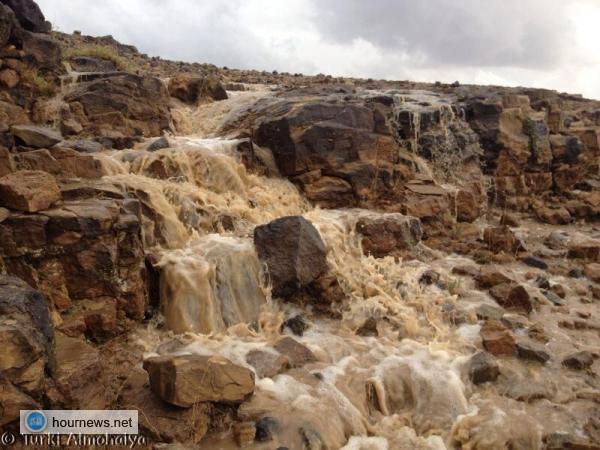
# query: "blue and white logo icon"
35, 421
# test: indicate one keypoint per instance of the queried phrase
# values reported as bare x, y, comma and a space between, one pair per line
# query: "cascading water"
401, 389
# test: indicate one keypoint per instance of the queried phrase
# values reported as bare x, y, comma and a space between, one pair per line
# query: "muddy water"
405, 389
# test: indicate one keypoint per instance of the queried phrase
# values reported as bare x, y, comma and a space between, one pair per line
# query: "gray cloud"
533, 33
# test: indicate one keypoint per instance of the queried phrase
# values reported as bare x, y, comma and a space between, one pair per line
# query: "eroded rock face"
186, 380
81, 250
293, 251
28, 191
121, 106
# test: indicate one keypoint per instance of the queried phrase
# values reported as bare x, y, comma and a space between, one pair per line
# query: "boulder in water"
293, 251
36, 136
189, 379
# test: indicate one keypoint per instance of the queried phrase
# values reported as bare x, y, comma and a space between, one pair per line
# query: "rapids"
405, 389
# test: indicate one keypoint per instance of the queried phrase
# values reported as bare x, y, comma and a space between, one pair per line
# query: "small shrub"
40, 86
98, 51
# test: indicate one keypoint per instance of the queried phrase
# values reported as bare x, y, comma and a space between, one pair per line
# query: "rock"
592, 271
192, 89
28, 191
266, 427
466, 270
562, 441
244, 433
158, 144
44, 51
389, 234
468, 206
497, 339
83, 145
297, 353
7, 19
266, 363
60, 162
489, 277
26, 336
4, 213
589, 250
483, 367
188, 379
9, 78
532, 352
90, 64
293, 251
534, 262
81, 250
296, 324
579, 361
558, 216
121, 107
160, 420
555, 299
576, 273
487, 312
79, 375
512, 296
368, 328
509, 220
6, 162
36, 136
502, 239
29, 15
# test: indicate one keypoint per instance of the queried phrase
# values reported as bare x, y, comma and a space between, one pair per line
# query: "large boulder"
28, 190
7, 18
189, 379
60, 162
293, 252
36, 136
193, 89
29, 15
121, 106
6, 162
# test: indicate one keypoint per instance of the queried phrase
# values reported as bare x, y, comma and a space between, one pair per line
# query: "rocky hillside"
241, 254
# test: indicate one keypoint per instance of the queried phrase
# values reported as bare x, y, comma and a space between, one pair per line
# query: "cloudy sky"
541, 43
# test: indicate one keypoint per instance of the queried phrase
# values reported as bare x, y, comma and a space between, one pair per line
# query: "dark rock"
579, 361
483, 368
7, 18
189, 379
368, 328
429, 277
36, 136
192, 89
489, 277
265, 428
158, 144
486, 312
296, 324
542, 282
90, 64
535, 262
297, 353
44, 51
293, 251
565, 441
532, 352
512, 296
555, 299
83, 145
29, 15
502, 239
576, 273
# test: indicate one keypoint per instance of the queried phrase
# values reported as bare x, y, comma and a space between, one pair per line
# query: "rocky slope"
241, 254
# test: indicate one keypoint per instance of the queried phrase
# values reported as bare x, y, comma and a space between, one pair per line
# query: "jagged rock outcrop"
28, 191
389, 234
29, 15
122, 106
194, 89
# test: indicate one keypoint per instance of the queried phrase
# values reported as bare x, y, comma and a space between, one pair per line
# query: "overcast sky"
541, 43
